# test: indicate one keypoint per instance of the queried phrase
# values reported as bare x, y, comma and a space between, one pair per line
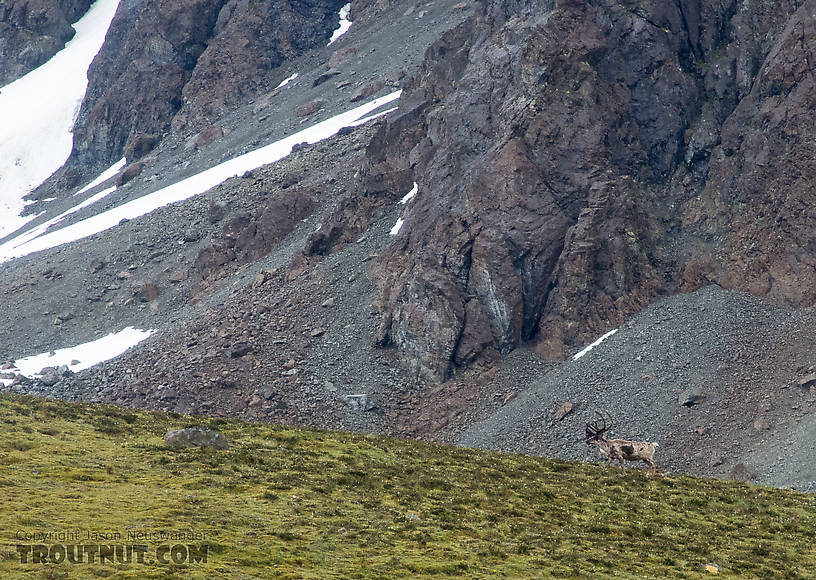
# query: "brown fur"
621, 450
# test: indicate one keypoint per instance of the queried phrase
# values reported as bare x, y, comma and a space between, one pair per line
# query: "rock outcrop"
32, 31
185, 64
196, 437
575, 160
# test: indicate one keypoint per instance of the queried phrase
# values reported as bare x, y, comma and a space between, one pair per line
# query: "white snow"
93, 199
397, 227
43, 227
82, 356
594, 344
37, 114
410, 195
105, 175
365, 120
345, 24
26, 243
287, 80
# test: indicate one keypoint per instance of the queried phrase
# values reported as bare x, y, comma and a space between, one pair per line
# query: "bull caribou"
619, 449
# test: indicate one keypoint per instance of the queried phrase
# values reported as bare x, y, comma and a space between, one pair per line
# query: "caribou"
619, 449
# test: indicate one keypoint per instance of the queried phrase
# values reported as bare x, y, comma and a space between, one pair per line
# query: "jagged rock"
208, 135
146, 292
129, 173
180, 64
211, 259
556, 239
50, 376
308, 109
317, 332
216, 211
323, 77
360, 402
562, 411
196, 437
49, 379
257, 235
329, 302
32, 32
807, 380
366, 91
140, 145
240, 349
95, 266
689, 398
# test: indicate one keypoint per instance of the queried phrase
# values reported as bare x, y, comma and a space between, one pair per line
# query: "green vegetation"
296, 503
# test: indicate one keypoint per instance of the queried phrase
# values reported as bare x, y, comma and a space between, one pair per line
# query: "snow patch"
410, 195
37, 114
345, 24
28, 243
39, 230
594, 344
397, 227
369, 118
83, 356
105, 175
287, 80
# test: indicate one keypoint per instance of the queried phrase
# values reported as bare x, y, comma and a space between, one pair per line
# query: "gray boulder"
196, 437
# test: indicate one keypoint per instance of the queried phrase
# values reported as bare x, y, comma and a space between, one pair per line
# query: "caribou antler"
595, 431
619, 449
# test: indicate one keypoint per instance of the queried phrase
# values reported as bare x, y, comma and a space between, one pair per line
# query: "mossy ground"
295, 503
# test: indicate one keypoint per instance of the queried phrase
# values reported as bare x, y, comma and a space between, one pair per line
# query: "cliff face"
577, 159
185, 63
32, 31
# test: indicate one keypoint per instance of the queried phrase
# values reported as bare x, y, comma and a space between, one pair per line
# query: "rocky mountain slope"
575, 163
32, 31
578, 160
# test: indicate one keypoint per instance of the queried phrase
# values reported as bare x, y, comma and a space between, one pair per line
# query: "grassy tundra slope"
295, 503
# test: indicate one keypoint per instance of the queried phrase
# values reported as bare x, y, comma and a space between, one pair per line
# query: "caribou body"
619, 449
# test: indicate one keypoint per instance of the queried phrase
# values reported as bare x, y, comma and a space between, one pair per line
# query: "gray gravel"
740, 356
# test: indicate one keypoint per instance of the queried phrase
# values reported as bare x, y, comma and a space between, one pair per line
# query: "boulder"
196, 437
361, 402
240, 349
129, 173
689, 398
146, 292
564, 410
807, 380
208, 135
309, 108
366, 91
